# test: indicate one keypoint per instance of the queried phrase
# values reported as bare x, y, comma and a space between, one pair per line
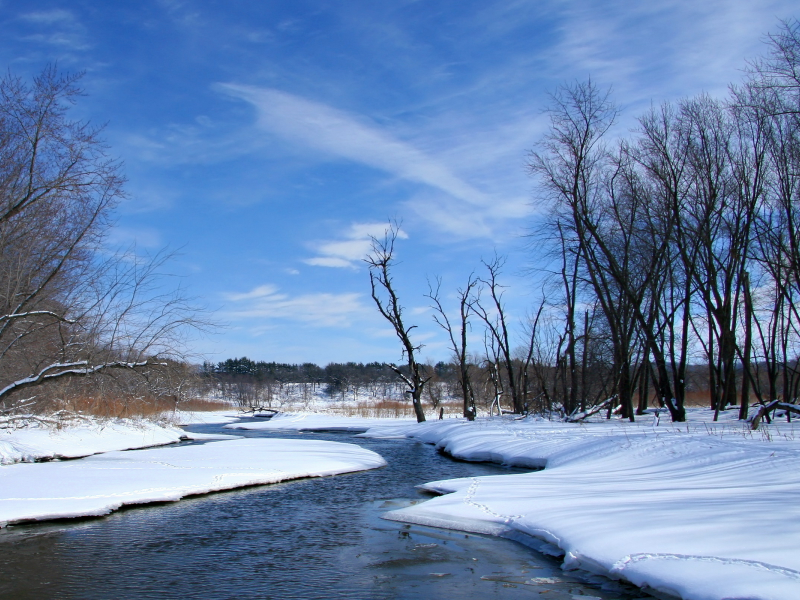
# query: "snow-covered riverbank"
323, 422
700, 511
100, 484
40, 441
46, 443
109, 478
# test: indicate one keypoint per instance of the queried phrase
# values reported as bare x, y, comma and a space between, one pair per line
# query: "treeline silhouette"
243, 379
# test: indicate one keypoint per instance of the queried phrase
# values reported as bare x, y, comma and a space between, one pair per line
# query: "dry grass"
136, 407
377, 409
695, 399
386, 409
698, 398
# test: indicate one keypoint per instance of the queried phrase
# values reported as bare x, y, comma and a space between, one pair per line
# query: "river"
308, 539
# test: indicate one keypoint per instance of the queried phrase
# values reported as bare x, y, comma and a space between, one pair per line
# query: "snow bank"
37, 442
695, 512
100, 484
200, 417
317, 422
41, 443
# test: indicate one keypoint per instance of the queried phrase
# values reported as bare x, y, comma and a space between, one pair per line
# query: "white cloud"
316, 309
329, 261
347, 136
64, 29
49, 17
663, 50
472, 169
350, 251
143, 237
353, 249
262, 291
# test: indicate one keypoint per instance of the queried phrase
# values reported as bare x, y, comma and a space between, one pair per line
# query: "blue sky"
267, 140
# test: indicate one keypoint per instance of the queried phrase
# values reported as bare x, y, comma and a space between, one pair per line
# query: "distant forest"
334, 378
259, 383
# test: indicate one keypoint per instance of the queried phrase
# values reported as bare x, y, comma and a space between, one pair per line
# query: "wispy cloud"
349, 251
202, 141
49, 17
674, 47
183, 14
341, 134
142, 237
57, 27
267, 302
457, 204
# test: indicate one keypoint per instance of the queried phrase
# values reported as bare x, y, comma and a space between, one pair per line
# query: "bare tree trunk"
748, 342
497, 326
381, 261
459, 347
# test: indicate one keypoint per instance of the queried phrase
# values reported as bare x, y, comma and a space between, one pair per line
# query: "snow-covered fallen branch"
764, 410
81, 368
576, 416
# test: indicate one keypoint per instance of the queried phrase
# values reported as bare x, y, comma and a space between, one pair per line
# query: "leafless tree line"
69, 309
681, 241
500, 373
675, 254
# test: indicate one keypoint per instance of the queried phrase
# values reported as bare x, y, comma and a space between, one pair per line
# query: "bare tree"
65, 311
496, 321
458, 336
771, 98
381, 260
594, 202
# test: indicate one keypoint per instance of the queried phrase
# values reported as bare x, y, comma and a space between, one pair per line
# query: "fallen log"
764, 410
576, 417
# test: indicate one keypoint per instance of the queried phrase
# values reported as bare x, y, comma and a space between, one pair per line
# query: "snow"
700, 511
100, 484
93, 436
702, 515
317, 422
185, 417
40, 441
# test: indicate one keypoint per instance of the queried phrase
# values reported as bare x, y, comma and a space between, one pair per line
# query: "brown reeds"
142, 407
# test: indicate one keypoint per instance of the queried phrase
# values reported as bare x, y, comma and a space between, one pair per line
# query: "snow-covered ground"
701, 511
110, 478
100, 484
92, 436
41, 440
319, 422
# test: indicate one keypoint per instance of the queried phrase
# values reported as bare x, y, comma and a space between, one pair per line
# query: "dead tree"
380, 261
458, 346
495, 319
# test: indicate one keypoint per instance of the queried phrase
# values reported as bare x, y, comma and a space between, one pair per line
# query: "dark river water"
308, 539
